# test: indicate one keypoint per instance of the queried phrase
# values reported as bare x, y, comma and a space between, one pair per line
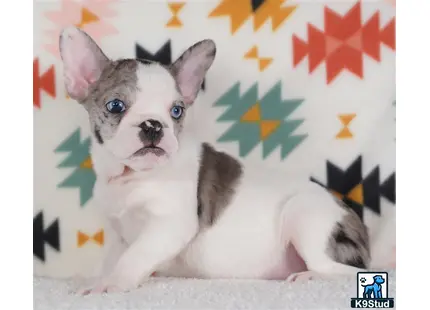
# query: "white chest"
130, 203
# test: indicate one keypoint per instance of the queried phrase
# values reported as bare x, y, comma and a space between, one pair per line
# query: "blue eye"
176, 112
115, 106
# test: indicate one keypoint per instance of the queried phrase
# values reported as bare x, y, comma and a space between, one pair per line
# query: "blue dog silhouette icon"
374, 289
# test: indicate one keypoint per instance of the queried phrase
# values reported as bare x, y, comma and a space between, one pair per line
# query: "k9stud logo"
372, 291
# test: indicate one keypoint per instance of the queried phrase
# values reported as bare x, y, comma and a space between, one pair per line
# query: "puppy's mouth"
150, 149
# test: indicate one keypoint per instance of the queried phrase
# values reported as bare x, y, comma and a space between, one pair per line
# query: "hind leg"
329, 237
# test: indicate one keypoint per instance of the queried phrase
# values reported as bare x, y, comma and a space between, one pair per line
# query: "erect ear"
190, 68
83, 61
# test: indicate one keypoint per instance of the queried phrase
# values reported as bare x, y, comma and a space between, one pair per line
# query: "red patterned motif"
93, 16
45, 82
343, 42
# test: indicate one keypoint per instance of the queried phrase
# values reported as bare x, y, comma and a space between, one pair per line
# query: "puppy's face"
136, 107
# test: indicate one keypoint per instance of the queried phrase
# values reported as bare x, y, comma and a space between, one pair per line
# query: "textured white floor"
205, 294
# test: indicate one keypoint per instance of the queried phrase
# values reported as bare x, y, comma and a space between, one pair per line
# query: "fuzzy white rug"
162, 293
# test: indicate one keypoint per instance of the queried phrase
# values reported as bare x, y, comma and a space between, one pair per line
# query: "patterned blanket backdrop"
307, 86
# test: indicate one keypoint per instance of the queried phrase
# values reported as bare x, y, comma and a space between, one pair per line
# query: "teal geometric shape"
242, 104
82, 178
272, 107
283, 137
247, 134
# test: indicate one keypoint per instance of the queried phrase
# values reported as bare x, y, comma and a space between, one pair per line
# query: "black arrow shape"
163, 55
388, 188
343, 181
371, 195
41, 236
373, 190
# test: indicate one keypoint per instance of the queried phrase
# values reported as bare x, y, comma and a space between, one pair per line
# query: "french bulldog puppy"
179, 207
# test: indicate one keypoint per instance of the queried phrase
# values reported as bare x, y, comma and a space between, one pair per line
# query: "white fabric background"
143, 22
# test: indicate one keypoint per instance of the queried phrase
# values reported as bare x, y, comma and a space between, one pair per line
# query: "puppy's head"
136, 107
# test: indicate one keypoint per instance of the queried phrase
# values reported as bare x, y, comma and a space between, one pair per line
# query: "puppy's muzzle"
151, 133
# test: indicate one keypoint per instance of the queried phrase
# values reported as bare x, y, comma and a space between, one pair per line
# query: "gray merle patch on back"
219, 175
349, 241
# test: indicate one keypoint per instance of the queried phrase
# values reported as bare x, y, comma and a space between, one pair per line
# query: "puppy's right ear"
83, 61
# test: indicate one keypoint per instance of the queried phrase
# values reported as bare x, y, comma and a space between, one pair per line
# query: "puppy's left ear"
190, 68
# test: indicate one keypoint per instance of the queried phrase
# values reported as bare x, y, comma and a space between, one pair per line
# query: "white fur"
157, 215
155, 212
249, 240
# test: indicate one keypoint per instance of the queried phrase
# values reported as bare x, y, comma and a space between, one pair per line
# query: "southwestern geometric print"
261, 11
261, 120
294, 84
263, 62
83, 238
93, 16
163, 55
357, 190
45, 236
344, 42
79, 159
44, 81
175, 8
345, 132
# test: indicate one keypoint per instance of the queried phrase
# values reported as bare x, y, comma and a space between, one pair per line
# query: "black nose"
152, 131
